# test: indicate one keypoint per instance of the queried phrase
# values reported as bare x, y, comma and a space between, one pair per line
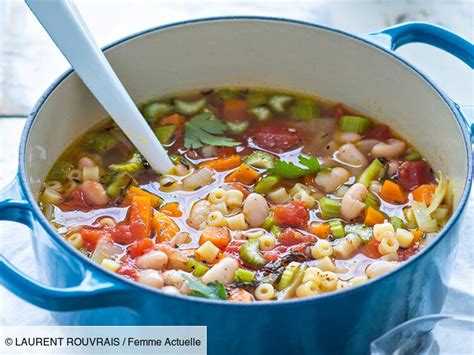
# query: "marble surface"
29, 62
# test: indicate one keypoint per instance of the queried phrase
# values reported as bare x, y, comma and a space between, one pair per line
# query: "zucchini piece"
155, 110
238, 127
100, 142
266, 185
260, 159
189, 108
279, 103
165, 133
261, 113
228, 94
255, 99
118, 183
60, 170
132, 166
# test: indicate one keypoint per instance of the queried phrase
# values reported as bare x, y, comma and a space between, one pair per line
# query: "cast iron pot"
251, 52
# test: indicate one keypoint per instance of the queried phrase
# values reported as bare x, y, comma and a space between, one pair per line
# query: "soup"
274, 195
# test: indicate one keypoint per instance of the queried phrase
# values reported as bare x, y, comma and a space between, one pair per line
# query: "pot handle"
439, 37
90, 293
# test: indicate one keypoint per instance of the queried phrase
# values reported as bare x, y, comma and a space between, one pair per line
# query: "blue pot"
362, 72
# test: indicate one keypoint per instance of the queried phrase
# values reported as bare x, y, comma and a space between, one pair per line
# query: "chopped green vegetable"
255, 99
228, 94
155, 110
197, 267
60, 170
278, 103
304, 110
290, 290
100, 142
288, 170
244, 275
213, 290
439, 194
422, 216
165, 133
268, 222
415, 155
132, 166
371, 200
354, 124
275, 230
371, 172
397, 222
203, 129
363, 231
260, 159
238, 127
337, 229
329, 207
287, 275
265, 185
249, 252
189, 108
118, 183
261, 113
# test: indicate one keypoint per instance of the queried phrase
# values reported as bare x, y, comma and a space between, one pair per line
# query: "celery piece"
238, 127
261, 113
290, 290
228, 94
371, 200
354, 124
165, 133
397, 222
275, 230
260, 159
99, 142
329, 207
132, 166
198, 269
278, 103
255, 99
414, 155
439, 194
304, 110
118, 183
189, 108
287, 275
60, 170
268, 222
337, 229
244, 275
265, 185
371, 172
363, 231
249, 252
155, 110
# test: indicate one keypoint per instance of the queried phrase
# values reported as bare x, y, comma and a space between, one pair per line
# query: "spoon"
67, 29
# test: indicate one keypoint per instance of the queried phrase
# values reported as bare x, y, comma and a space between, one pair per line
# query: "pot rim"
135, 286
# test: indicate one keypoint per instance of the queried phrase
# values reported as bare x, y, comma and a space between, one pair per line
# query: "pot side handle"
436, 36
91, 293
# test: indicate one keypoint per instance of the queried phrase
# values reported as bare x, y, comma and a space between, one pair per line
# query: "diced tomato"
292, 237
404, 254
92, 236
140, 247
123, 234
233, 247
276, 137
128, 269
371, 249
412, 174
225, 151
270, 256
293, 214
75, 201
380, 132
239, 186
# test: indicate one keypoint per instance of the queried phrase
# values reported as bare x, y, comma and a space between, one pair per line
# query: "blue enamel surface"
344, 322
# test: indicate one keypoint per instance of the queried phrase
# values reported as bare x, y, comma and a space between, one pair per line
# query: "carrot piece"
393, 192
164, 227
140, 216
139, 247
219, 236
223, 164
174, 119
321, 230
424, 193
171, 209
240, 295
235, 110
373, 216
244, 174
417, 235
136, 191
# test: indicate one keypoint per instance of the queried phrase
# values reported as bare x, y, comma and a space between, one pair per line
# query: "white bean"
198, 179
173, 278
85, 162
365, 146
150, 278
378, 268
392, 167
330, 181
349, 154
171, 290
197, 217
94, 193
155, 259
351, 204
346, 137
223, 271
255, 209
208, 151
392, 149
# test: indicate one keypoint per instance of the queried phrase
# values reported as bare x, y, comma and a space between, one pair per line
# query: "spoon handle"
66, 27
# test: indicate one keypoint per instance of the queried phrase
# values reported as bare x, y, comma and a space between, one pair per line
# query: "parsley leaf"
213, 290
204, 129
288, 170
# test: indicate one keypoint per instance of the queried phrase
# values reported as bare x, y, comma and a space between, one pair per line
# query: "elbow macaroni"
233, 198
237, 222
264, 292
321, 249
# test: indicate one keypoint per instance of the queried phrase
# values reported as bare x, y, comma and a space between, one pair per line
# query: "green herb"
213, 290
204, 129
288, 170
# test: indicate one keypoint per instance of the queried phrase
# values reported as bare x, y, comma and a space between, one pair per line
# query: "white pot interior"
258, 53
